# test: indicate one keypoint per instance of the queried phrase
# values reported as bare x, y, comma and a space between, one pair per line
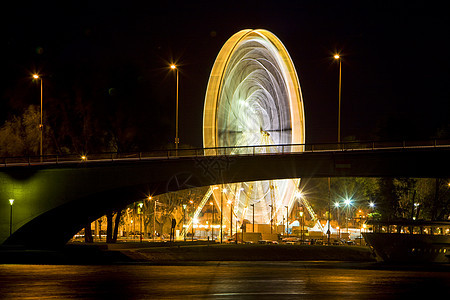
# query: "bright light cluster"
254, 98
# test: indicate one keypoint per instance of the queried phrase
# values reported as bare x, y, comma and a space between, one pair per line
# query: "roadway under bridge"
75, 193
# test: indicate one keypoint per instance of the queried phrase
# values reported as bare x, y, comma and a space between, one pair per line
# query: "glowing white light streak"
254, 98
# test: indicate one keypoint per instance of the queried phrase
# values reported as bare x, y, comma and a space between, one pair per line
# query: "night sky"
395, 71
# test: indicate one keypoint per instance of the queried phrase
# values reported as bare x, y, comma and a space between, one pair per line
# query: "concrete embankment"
180, 252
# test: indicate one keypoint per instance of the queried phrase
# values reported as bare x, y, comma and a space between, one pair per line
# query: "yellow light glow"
149, 198
83, 157
229, 57
336, 56
35, 76
173, 67
11, 201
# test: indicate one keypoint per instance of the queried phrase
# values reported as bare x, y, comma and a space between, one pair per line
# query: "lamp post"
221, 213
212, 221
337, 206
301, 220
154, 222
338, 57
141, 205
11, 202
177, 140
287, 220
271, 211
41, 125
231, 217
192, 228
253, 220
184, 221
347, 202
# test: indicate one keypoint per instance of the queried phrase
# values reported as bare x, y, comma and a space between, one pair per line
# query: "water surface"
222, 280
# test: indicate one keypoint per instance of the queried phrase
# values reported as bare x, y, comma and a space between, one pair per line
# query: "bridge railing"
220, 151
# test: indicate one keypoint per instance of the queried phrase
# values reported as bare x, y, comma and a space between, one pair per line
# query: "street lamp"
223, 190
11, 202
154, 220
338, 57
253, 221
348, 203
212, 221
301, 220
337, 206
41, 125
184, 221
287, 220
140, 221
177, 140
231, 217
271, 219
192, 228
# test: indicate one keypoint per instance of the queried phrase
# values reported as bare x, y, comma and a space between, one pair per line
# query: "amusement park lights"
245, 101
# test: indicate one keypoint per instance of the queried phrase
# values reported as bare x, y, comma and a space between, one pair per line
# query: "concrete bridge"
65, 195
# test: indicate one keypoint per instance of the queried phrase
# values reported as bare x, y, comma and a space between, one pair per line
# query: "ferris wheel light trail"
254, 99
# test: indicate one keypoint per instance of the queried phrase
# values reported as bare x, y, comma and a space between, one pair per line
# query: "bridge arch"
39, 190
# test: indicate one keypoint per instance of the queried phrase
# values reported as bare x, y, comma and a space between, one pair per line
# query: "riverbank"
123, 253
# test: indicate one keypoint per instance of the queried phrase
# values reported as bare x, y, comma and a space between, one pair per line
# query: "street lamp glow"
41, 124
11, 201
338, 58
348, 202
177, 140
336, 204
371, 205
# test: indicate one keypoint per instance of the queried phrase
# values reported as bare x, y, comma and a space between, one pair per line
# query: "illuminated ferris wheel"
254, 98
